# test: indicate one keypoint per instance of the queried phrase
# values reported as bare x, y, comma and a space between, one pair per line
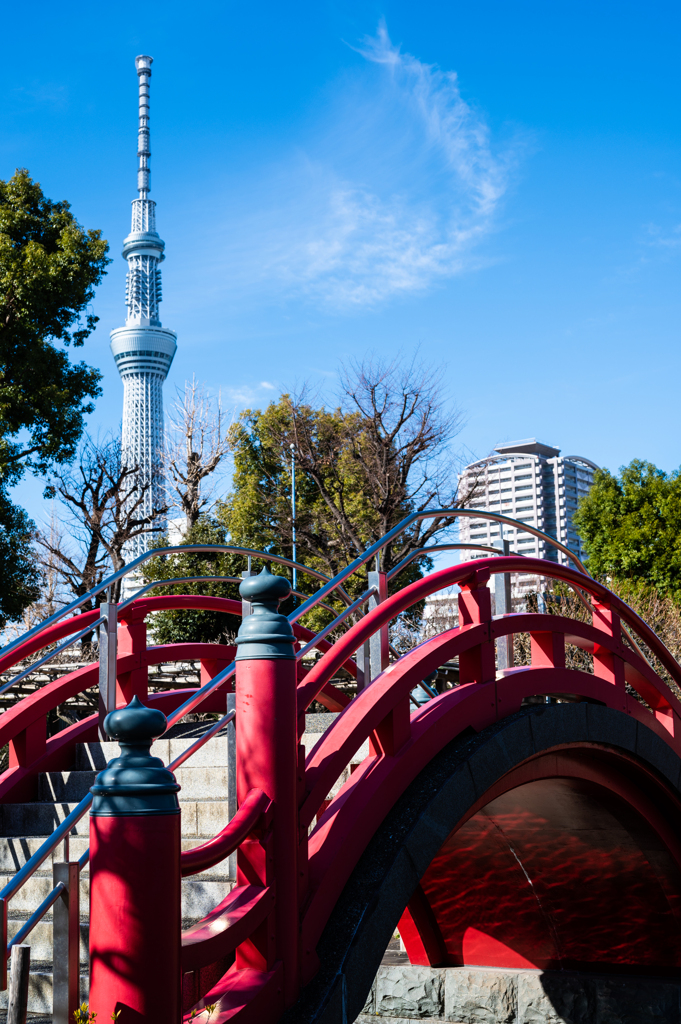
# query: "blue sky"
499, 184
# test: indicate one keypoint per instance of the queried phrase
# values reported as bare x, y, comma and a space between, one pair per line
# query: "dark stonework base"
368, 910
482, 995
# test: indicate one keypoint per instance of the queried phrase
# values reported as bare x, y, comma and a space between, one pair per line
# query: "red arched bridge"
527, 817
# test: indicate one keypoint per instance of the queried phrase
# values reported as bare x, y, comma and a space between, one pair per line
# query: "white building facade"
143, 349
533, 483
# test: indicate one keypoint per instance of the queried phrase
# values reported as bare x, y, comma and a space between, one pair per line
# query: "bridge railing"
400, 744
25, 728
305, 886
614, 661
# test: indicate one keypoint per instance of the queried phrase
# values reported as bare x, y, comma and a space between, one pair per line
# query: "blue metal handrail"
64, 829
130, 567
226, 673
195, 579
50, 655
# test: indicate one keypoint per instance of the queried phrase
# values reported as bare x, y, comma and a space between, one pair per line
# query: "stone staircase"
23, 828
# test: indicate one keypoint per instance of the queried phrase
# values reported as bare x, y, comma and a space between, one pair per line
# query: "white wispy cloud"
450, 124
40, 94
392, 191
247, 395
658, 237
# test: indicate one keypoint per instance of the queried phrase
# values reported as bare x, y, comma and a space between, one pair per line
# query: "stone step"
95, 756
200, 817
197, 783
40, 991
522, 996
200, 894
213, 754
23, 828
40, 939
15, 852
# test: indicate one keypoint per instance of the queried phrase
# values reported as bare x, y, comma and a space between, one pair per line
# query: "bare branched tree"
196, 446
441, 613
101, 502
397, 427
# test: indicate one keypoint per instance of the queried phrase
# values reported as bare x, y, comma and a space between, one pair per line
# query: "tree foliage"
631, 527
257, 511
193, 625
19, 573
361, 467
49, 267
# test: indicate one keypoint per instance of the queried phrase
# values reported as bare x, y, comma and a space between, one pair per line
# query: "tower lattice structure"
143, 349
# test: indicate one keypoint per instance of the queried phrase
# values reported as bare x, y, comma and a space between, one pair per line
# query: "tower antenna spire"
143, 65
143, 349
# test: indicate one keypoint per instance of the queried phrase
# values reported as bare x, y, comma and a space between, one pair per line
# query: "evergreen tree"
631, 527
49, 267
192, 625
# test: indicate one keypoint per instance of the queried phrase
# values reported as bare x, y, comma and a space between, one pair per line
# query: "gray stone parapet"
479, 995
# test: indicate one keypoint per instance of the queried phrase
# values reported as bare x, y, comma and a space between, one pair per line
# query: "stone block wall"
477, 995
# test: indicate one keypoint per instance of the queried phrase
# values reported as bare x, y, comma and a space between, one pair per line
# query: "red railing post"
503, 605
209, 668
132, 639
606, 664
475, 607
29, 744
547, 650
267, 759
135, 916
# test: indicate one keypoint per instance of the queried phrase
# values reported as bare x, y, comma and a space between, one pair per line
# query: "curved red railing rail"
24, 726
403, 599
252, 813
401, 743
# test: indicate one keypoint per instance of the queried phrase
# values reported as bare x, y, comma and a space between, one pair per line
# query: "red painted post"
135, 917
209, 668
608, 665
28, 745
547, 650
132, 639
475, 607
266, 758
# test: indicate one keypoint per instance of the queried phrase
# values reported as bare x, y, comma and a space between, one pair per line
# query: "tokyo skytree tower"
143, 349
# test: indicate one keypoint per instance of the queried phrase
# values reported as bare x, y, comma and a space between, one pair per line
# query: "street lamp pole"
293, 516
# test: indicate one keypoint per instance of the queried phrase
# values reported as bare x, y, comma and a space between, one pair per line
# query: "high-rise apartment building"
531, 482
143, 349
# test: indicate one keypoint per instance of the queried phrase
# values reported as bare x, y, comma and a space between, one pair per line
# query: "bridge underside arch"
549, 840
